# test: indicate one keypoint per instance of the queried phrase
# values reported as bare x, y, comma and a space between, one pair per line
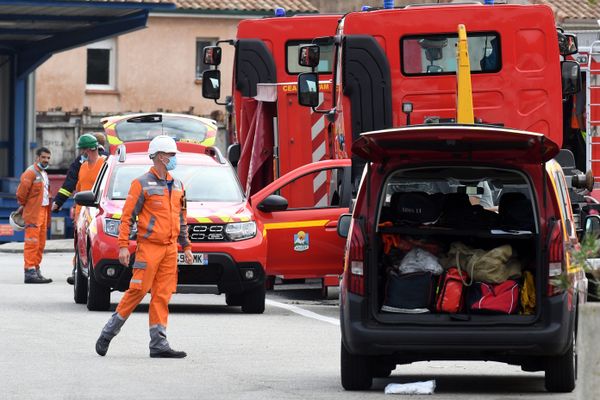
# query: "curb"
20, 251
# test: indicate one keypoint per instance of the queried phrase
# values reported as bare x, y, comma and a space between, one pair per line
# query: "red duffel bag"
488, 298
450, 297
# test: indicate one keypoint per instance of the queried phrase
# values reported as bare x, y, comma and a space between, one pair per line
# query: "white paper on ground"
426, 387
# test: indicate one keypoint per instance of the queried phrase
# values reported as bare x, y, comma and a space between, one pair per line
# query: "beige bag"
492, 266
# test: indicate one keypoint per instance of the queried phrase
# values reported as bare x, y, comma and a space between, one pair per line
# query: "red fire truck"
273, 133
393, 70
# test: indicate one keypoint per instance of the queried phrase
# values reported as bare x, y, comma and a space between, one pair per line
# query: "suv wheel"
356, 374
254, 300
80, 286
234, 299
98, 298
561, 371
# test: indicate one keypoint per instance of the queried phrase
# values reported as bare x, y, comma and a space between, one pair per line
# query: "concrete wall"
155, 70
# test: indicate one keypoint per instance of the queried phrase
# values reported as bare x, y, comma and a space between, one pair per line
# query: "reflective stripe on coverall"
161, 221
30, 195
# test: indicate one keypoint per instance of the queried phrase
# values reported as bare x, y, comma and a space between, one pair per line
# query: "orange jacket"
161, 216
30, 194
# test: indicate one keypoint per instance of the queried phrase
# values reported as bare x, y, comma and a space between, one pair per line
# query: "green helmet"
87, 141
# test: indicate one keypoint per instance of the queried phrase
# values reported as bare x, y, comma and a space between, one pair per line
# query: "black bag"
408, 293
459, 213
515, 212
415, 208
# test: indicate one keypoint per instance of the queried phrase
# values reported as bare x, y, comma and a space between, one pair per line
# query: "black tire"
98, 296
382, 371
80, 285
592, 294
234, 300
561, 371
254, 300
356, 374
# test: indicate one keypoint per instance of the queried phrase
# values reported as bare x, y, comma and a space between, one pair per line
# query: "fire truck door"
302, 241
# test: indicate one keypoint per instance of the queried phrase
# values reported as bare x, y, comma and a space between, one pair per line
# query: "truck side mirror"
211, 84
308, 89
309, 55
571, 77
567, 44
592, 226
212, 55
344, 225
233, 154
86, 198
272, 203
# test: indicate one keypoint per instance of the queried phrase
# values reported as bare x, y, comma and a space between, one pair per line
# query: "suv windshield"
202, 183
179, 128
436, 54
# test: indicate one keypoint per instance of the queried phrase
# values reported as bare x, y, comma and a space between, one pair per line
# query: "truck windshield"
291, 55
436, 54
201, 183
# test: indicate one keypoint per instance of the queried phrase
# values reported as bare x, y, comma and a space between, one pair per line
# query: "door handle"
331, 224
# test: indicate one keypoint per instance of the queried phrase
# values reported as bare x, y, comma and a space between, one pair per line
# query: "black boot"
32, 276
169, 353
102, 345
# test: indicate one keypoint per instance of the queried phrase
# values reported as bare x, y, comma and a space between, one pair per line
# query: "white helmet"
163, 143
16, 221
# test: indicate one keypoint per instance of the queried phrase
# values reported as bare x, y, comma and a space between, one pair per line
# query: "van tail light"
355, 272
556, 258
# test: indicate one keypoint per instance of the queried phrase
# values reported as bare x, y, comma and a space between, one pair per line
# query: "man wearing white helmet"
157, 200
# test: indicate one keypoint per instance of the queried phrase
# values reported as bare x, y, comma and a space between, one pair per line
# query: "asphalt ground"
289, 352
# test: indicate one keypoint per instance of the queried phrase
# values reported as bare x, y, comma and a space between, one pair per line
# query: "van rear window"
454, 194
436, 54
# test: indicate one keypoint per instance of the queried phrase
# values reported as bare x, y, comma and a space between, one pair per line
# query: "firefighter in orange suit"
158, 202
34, 199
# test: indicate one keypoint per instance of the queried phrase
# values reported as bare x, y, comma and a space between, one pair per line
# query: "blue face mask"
84, 157
42, 166
172, 164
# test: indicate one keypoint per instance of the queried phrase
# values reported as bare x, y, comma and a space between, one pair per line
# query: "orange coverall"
30, 195
86, 179
161, 224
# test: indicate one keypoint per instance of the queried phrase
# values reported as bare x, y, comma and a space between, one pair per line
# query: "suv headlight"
241, 230
111, 228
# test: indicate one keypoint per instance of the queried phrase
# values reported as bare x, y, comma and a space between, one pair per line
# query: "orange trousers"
155, 269
35, 239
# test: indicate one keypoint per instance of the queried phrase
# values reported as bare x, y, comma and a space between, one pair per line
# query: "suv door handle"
331, 225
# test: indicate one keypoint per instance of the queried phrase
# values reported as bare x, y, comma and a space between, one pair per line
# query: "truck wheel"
254, 300
234, 299
80, 286
356, 374
98, 298
561, 371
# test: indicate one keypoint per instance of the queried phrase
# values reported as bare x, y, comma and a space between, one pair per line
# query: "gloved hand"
55, 208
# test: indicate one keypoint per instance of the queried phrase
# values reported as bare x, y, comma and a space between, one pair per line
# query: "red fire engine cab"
273, 133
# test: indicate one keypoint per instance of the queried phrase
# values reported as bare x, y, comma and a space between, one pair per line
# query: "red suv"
229, 253
438, 188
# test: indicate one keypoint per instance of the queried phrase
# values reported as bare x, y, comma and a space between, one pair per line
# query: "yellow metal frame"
464, 93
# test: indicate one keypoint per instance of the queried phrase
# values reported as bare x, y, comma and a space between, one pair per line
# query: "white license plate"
199, 259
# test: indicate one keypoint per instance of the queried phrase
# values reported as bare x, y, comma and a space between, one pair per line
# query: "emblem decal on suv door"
301, 241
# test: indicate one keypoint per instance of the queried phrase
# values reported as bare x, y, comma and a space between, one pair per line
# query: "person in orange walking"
34, 204
158, 202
